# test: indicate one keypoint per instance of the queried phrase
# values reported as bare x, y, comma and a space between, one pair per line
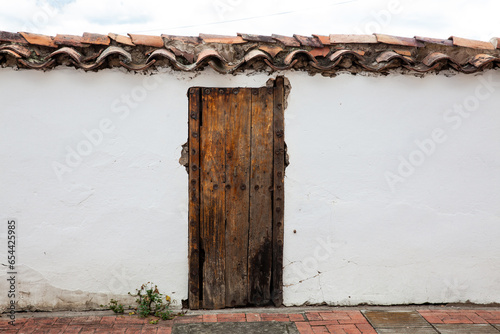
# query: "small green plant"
151, 302
115, 307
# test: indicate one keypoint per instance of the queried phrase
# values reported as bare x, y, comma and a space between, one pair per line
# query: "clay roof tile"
184, 39
377, 53
308, 41
257, 38
121, 39
37, 39
147, 40
470, 43
397, 40
434, 40
287, 41
495, 42
347, 39
323, 52
273, 50
325, 40
96, 39
68, 40
13, 37
209, 38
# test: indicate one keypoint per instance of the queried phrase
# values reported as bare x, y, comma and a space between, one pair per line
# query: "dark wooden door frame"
195, 258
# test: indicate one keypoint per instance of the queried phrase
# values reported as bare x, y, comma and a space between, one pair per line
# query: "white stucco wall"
116, 216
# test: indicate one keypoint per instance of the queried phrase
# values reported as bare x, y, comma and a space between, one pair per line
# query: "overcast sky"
476, 19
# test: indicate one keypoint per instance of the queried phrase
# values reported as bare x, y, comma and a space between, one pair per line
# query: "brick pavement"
307, 322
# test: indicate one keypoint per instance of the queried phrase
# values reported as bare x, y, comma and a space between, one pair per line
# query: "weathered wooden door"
236, 196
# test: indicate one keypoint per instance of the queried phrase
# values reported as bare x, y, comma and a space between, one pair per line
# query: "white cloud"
465, 18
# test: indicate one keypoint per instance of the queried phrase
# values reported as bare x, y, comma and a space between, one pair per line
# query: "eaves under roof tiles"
325, 54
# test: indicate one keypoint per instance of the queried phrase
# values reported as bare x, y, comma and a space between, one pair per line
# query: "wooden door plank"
238, 122
279, 191
194, 197
261, 186
212, 198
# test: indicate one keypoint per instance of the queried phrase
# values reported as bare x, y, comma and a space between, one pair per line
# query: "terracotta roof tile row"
228, 54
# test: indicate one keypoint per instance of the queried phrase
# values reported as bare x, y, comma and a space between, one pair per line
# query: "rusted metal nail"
194, 115
195, 134
221, 91
194, 168
278, 209
280, 133
280, 174
193, 151
192, 222
193, 182
256, 187
243, 187
255, 91
269, 90
228, 186
216, 186
207, 91
236, 91
280, 106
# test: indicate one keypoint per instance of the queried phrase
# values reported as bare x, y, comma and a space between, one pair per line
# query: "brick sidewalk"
307, 322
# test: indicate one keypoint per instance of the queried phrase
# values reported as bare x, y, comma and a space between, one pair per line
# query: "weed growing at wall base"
115, 306
150, 302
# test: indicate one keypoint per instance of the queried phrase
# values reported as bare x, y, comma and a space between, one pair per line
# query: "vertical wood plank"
238, 122
261, 185
213, 197
194, 197
279, 191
